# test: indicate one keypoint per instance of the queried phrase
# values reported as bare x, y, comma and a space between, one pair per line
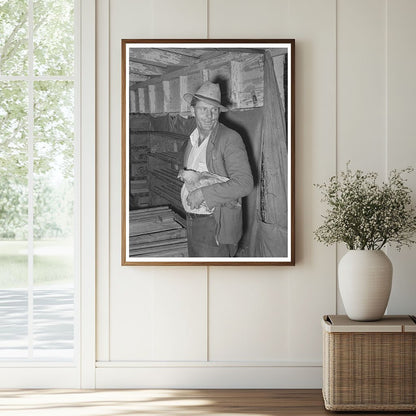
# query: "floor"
165, 402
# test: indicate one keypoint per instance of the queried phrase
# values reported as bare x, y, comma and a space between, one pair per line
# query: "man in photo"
213, 207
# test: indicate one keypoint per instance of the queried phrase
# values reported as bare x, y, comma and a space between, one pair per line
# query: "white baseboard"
209, 377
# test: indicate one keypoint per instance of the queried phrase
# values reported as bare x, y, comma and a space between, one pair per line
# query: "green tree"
53, 117
13, 37
52, 34
13, 209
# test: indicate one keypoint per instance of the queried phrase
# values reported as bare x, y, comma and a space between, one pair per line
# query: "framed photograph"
208, 134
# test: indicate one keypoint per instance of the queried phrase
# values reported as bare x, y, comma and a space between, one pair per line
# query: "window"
38, 185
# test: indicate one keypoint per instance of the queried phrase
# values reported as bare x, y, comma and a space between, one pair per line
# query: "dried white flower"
365, 215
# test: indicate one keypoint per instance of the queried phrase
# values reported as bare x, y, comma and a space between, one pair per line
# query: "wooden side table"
369, 366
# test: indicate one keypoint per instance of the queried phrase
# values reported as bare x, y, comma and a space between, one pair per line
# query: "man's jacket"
227, 156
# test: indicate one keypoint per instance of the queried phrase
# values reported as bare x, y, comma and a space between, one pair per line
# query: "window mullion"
30, 178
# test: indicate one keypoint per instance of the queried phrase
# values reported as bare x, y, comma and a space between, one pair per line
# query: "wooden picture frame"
256, 79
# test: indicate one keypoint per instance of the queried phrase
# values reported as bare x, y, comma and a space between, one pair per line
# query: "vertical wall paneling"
262, 19
141, 329
103, 176
315, 136
179, 316
248, 307
129, 291
248, 314
254, 326
87, 196
361, 84
312, 281
361, 88
401, 136
178, 19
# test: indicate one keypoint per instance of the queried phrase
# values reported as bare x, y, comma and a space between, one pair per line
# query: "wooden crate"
369, 366
156, 232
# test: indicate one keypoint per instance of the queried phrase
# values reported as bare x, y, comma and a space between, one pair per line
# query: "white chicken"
194, 179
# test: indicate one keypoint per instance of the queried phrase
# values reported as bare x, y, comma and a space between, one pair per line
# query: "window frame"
81, 371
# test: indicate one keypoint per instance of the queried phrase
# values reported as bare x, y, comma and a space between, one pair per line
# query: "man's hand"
195, 199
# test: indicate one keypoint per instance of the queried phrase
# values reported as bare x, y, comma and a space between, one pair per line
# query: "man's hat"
208, 93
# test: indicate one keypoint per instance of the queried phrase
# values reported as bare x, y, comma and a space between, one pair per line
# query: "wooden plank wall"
240, 76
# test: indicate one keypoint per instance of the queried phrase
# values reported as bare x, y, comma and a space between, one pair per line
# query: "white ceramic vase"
364, 278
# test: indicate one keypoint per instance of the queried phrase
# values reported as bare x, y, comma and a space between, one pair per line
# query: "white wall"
254, 326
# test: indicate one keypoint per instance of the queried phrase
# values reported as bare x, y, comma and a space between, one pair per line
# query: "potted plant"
366, 215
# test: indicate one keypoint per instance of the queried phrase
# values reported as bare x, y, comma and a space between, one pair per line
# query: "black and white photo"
208, 152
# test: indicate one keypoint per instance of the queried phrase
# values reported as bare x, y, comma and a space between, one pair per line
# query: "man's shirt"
197, 160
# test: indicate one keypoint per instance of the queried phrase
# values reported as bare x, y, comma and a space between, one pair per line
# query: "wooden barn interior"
160, 123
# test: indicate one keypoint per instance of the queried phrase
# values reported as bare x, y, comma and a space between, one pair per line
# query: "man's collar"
195, 137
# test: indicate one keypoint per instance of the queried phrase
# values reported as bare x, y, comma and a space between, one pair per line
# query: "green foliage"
366, 215
53, 118
53, 208
13, 129
53, 151
54, 126
13, 37
53, 37
13, 208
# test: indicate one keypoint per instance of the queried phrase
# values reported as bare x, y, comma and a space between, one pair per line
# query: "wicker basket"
369, 366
